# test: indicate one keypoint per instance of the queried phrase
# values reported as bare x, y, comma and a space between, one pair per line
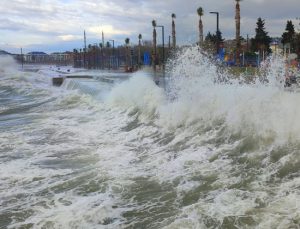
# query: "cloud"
26, 22
69, 37
108, 30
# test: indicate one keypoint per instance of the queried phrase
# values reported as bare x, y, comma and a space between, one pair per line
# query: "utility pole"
22, 58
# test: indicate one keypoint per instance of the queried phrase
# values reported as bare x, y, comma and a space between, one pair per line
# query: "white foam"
184, 140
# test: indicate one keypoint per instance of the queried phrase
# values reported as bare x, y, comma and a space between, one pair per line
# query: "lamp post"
163, 41
84, 52
217, 13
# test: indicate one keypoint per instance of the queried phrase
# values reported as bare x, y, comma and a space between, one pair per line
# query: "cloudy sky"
57, 25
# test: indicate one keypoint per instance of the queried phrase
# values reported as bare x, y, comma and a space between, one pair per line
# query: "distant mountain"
2, 52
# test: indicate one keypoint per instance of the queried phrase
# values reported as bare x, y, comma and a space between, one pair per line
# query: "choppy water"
206, 152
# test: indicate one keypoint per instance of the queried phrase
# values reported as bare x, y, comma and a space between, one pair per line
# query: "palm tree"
154, 44
238, 30
127, 40
139, 58
200, 13
173, 31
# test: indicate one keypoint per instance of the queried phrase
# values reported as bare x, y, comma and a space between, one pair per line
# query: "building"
61, 57
37, 57
276, 46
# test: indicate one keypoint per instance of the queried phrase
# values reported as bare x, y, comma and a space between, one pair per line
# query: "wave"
199, 94
211, 151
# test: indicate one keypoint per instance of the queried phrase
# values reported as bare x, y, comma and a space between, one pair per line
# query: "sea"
194, 148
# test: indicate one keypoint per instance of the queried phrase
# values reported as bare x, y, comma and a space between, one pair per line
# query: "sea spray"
139, 92
264, 108
7, 65
215, 151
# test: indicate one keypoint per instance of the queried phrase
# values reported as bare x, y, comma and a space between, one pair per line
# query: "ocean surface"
205, 150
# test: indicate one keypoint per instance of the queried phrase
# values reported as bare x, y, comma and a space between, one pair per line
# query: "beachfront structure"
276, 46
63, 58
37, 57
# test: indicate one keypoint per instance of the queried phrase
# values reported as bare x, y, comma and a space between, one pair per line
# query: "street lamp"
163, 40
217, 13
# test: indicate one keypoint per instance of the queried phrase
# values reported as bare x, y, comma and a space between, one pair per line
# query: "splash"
202, 93
139, 92
207, 94
7, 65
212, 151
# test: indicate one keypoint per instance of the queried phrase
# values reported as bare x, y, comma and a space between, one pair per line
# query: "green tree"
261, 41
209, 37
288, 37
297, 43
200, 14
214, 38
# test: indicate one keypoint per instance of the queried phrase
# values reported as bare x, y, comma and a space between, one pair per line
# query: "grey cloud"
71, 17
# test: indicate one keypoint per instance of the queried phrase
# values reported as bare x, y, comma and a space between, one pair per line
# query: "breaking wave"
213, 150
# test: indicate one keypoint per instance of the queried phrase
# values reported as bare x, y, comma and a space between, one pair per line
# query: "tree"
261, 41
154, 44
288, 37
173, 31
209, 37
297, 43
214, 38
127, 41
238, 30
200, 14
139, 58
